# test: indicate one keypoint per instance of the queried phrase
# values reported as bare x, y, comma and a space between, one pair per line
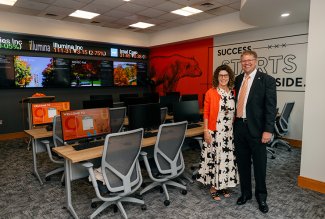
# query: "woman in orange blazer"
218, 167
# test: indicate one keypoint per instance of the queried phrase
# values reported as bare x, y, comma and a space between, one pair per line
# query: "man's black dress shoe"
243, 199
263, 207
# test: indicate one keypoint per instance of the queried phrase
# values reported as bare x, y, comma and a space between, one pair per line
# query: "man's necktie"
242, 96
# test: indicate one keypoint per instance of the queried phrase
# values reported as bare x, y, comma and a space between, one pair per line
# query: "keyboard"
86, 145
193, 125
149, 134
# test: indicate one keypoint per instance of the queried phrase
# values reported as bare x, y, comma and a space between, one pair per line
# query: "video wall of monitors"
51, 72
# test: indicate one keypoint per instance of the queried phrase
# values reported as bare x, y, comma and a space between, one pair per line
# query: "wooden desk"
74, 170
37, 135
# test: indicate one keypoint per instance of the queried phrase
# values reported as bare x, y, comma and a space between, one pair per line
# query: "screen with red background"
77, 124
43, 113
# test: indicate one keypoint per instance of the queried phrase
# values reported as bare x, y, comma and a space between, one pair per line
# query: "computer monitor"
168, 101
101, 97
123, 96
91, 104
85, 124
145, 116
43, 113
152, 97
187, 110
188, 97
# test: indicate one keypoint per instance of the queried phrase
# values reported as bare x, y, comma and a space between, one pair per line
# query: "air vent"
50, 14
95, 22
207, 4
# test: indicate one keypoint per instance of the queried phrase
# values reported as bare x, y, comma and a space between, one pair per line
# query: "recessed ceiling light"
186, 11
285, 14
8, 2
141, 25
126, 0
83, 14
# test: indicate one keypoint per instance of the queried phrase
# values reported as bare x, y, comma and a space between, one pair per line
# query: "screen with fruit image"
125, 73
43, 113
30, 71
86, 123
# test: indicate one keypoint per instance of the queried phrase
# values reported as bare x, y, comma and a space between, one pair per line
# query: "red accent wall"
184, 67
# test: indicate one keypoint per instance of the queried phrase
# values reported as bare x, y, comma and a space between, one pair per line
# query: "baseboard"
14, 135
293, 142
311, 184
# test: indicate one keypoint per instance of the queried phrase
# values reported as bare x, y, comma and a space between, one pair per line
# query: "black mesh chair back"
117, 116
120, 165
163, 114
167, 152
57, 131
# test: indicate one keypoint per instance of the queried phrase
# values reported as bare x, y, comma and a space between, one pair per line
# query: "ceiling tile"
169, 17
168, 6
69, 4
117, 14
202, 16
186, 2
43, 1
31, 5
151, 12
58, 10
25, 11
97, 8
186, 20
109, 3
227, 2
131, 8
148, 3
221, 11
235, 5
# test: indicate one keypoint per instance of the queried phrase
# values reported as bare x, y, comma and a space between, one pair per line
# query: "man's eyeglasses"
248, 60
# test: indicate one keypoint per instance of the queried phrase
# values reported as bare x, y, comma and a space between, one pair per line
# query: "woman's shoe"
225, 193
215, 194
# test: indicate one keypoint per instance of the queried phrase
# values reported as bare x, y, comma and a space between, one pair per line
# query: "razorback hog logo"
166, 71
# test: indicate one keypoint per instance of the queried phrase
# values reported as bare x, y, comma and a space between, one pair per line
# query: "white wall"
313, 145
296, 120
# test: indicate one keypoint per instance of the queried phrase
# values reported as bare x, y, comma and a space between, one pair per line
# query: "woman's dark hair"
231, 74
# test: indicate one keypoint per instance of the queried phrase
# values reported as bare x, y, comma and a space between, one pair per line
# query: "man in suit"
253, 128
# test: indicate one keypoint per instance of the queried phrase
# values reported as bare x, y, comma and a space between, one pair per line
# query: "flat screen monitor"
168, 101
7, 76
91, 104
145, 116
32, 71
85, 124
188, 97
123, 96
134, 101
85, 73
187, 111
43, 113
125, 73
101, 97
152, 97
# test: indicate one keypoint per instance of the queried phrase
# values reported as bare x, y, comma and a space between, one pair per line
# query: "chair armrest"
88, 165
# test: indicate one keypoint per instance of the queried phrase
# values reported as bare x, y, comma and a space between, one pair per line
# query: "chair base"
279, 141
118, 203
164, 187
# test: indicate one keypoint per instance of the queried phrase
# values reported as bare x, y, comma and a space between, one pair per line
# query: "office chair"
117, 116
282, 126
163, 114
168, 158
58, 141
121, 170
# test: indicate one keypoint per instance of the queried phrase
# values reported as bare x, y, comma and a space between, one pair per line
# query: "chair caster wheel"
93, 205
161, 190
184, 192
115, 208
272, 157
143, 207
143, 185
166, 202
47, 178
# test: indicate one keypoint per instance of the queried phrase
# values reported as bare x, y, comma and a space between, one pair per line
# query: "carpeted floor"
21, 195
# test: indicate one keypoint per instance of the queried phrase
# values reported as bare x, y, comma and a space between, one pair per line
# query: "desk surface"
68, 152
39, 133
